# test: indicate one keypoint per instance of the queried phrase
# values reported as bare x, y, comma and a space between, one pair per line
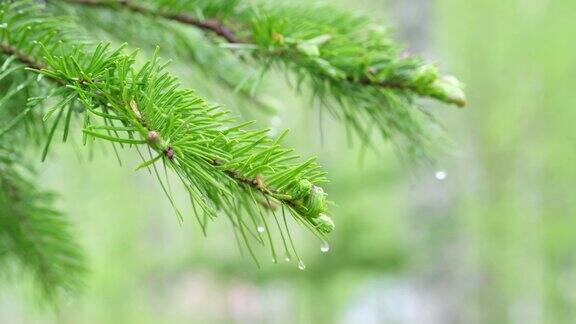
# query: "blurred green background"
494, 242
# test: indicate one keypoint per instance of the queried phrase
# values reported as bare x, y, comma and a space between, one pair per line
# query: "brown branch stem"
212, 25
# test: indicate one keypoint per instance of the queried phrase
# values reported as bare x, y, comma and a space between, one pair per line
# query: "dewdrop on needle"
324, 247
440, 175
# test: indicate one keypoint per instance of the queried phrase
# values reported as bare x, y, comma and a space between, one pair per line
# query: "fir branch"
353, 66
446, 90
33, 235
203, 58
153, 137
208, 67
36, 235
217, 160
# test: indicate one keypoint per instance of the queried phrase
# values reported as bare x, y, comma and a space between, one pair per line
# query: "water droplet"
301, 265
440, 175
324, 247
261, 228
287, 258
275, 121
274, 260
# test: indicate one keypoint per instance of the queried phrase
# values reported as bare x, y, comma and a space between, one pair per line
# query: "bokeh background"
493, 242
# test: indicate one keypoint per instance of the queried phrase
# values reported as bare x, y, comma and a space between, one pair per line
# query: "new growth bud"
301, 189
169, 152
324, 224
450, 90
425, 75
310, 198
152, 136
315, 202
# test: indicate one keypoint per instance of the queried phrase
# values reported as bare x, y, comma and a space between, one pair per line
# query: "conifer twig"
253, 182
352, 66
218, 160
444, 90
37, 236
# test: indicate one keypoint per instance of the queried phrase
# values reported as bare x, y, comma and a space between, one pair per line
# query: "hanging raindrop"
261, 228
301, 265
287, 258
275, 121
440, 175
324, 247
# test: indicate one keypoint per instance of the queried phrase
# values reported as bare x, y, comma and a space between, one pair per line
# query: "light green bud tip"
448, 89
324, 224
315, 202
425, 75
310, 199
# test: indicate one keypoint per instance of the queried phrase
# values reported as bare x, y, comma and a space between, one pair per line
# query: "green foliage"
227, 167
207, 64
32, 233
35, 235
224, 165
352, 65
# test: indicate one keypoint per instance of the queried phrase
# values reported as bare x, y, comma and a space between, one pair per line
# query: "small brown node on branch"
169, 152
372, 70
278, 38
152, 136
258, 181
